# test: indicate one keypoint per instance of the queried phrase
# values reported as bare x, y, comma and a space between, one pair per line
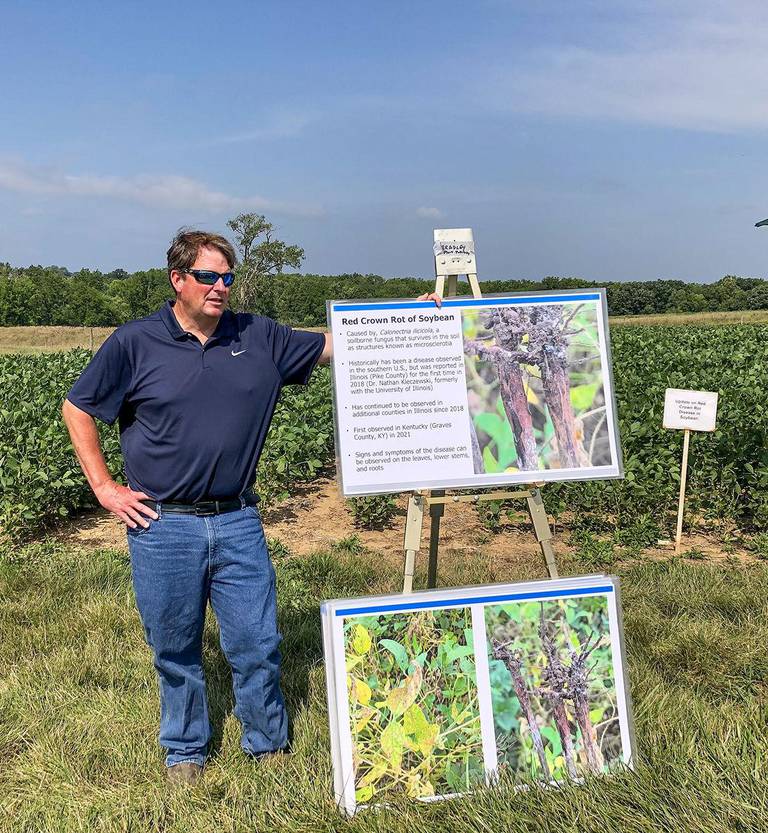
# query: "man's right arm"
119, 500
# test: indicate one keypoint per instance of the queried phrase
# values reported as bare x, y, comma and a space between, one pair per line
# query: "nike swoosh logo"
238, 352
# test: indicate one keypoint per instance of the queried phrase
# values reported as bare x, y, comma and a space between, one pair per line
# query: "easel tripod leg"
436, 511
542, 530
412, 542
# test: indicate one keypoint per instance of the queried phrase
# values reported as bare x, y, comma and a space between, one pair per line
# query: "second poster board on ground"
481, 392
432, 694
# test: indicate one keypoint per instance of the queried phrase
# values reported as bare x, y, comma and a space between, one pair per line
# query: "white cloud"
158, 191
284, 125
429, 213
700, 67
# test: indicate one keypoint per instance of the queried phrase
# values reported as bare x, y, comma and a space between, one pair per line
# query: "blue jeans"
178, 564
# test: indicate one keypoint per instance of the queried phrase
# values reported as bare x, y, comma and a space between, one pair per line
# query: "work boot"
188, 773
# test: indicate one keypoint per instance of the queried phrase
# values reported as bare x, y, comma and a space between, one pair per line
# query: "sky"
616, 140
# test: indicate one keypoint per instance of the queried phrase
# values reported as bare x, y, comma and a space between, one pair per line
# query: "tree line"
51, 295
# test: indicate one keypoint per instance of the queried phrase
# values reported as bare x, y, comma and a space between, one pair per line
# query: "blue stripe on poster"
469, 302
509, 597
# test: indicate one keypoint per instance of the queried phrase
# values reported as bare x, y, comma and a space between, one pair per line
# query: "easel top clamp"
454, 251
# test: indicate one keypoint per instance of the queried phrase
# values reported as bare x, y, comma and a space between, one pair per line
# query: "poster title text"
419, 318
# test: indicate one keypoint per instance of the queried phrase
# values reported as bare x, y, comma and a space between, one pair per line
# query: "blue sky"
617, 140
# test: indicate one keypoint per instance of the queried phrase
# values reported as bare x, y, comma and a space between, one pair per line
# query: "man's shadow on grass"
301, 650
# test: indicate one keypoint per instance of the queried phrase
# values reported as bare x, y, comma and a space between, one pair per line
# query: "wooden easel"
451, 260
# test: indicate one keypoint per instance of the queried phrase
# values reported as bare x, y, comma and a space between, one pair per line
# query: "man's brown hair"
188, 242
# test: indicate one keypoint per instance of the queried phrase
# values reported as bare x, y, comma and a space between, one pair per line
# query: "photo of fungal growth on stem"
413, 704
553, 689
536, 388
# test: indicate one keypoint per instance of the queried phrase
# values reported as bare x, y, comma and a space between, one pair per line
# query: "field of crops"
78, 712
41, 482
728, 472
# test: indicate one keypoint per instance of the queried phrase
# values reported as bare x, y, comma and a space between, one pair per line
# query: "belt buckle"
205, 508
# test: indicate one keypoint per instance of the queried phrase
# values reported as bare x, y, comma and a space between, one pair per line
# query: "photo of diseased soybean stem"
535, 388
413, 704
553, 688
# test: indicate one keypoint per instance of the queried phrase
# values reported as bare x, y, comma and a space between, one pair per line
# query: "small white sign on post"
688, 410
695, 410
454, 251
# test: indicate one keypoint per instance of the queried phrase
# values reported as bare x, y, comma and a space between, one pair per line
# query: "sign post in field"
688, 410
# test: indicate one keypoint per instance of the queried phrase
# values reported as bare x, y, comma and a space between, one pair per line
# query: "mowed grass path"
34, 340
79, 709
49, 339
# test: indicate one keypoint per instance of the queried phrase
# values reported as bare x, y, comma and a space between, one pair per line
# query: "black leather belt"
204, 507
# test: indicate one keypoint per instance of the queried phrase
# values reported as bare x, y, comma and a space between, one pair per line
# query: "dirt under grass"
317, 517
79, 703
676, 319
51, 339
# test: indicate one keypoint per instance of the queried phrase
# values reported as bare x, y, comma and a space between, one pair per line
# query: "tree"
261, 258
87, 302
142, 292
16, 308
48, 296
726, 294
758, 298
117, 275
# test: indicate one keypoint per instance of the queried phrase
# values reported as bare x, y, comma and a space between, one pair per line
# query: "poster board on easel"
409, 410
409, 414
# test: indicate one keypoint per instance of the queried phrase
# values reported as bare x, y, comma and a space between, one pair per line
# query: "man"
194, 387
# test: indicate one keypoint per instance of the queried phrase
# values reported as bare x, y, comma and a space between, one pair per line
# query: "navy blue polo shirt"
193, 418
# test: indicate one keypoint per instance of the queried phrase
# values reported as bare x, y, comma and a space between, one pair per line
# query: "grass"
79, 707
32, 340
675, 319
49, 339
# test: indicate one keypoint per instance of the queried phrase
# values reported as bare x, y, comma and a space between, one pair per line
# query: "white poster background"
400, 393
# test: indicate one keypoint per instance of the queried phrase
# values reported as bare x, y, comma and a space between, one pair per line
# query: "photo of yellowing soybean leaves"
413, 703
553, 688
535, 388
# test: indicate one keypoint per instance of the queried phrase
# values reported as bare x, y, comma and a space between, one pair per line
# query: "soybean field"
41, 481
728, 479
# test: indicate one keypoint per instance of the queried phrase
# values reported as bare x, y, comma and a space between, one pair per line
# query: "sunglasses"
210, 278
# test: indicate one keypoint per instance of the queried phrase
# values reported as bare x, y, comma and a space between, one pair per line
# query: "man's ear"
177, 279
